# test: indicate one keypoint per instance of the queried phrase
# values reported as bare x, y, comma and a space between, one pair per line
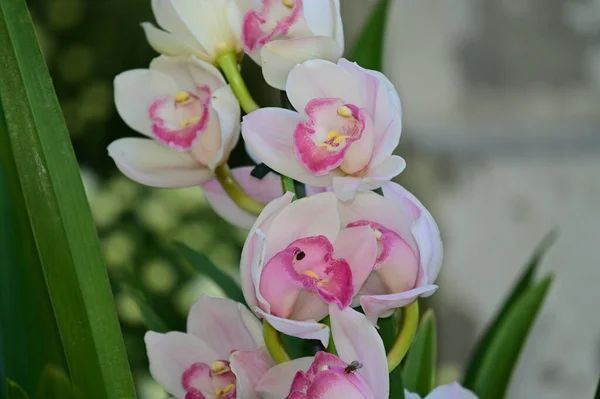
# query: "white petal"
338, 32
135, 91
320, 16
167, 18
306, 329
189, 72
279, 57
168, 44
249, 367
277, 382
376, 306
155, 165
410, 395
228, 111
321, 79
451, 391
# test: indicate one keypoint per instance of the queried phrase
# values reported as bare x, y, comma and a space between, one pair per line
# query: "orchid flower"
360, 371
222, 355
450, 391
347, 126
189, 114
193, 27
280, 34
409, 252
297, 261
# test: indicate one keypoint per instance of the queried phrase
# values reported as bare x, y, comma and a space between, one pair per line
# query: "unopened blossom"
450, 391
409, 254
222, 355
279, 34
297, 261
344, 133
188, 114
360, 371
193, 27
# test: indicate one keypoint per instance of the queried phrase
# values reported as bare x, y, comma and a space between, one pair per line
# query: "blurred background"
502, 139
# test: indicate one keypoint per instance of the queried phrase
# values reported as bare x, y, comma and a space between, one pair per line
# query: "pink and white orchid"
360, 371
193, 27
409, 253
280, 34
347, 126
189, 114
297, 261
222, 356
450, 391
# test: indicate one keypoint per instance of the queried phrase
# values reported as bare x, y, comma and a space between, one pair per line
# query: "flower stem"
236, 192
228, 64
274, 343
288, 185
331, 347
406, 334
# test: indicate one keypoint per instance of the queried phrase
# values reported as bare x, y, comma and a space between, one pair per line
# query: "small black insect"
352, 367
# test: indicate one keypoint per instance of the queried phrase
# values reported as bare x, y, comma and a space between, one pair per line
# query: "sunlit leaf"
419, 369
368, 49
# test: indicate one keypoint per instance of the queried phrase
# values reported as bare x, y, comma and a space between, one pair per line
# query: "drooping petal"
276, 383
224, 325
356, 339
268, 133
320, 16
306, 329
338, 30
249, 367
263, 190
189, 72
451, 391
152, 164
171, 354
358, 247
168, 44
167, 18
376, 306
279, 57
321, 79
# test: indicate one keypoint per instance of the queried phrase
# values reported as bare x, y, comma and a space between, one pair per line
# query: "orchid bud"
347, 126
189, 114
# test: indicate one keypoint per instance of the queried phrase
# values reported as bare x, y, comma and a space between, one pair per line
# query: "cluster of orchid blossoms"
307, 262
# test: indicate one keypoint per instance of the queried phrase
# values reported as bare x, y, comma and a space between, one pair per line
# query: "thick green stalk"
274, 343
229, 65
236, 192
406, 334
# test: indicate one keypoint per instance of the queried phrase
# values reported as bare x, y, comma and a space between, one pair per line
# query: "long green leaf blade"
493, 376
419, 370
368, 49
54, 384
396, 384
522, 284
14, 391
209, 269
149, 317
59, 213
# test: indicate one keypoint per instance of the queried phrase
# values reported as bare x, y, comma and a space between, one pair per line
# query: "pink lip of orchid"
409, 248
279, 34
449, 391
348, 124
360, 371
297, 260
222, 356
185, 106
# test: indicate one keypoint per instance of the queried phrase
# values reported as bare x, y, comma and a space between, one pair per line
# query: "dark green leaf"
14, 391
500, 359
59, 214
54, 384
151, 320
388, 328
522, 284
205, 267
597, 395
368, 49
419, 369
396, 384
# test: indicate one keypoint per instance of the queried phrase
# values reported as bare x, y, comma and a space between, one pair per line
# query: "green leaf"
388, 327
498, 362
396, 384
522, 284
419, 369
209, 269
55, 384
150, 318
597, 395
14, 391
368, 49
59, 214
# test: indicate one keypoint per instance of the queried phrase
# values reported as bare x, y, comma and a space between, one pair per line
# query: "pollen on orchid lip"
191, 121
182, 97
288, 3
311, 274
229, 388
219, 367
344, 111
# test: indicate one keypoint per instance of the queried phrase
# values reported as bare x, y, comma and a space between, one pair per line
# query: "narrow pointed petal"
307, 329
249, 367
356, 339
279, 57
263, 190
171, 354
276, 383
148, 162
268, 133
451, 391
224, 325
358, 247
167, 18
376, 306
338, 29
320, 16
166, 43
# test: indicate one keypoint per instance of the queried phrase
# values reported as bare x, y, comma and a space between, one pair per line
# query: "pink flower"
347, 126
409, 252
297, 261
450, 391
222, 356
360, 371
190, 115
279, 34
